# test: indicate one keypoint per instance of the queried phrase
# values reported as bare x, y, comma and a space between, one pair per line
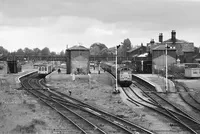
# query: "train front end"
125, 77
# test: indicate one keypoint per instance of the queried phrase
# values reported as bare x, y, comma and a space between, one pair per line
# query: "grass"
29, 128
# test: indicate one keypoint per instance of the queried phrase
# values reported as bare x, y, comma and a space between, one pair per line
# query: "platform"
22, 74
158, 82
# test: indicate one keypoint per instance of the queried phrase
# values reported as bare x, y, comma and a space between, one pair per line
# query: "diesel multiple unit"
124, 74
45, 69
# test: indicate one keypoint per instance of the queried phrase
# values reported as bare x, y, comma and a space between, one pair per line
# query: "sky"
58, 23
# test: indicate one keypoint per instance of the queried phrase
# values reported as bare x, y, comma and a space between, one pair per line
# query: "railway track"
187, 97
173, 111
79, 113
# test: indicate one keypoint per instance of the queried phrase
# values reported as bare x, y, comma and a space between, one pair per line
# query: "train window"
45, 68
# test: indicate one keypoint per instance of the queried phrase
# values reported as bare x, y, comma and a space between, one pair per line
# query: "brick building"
78, 60
178, 50
159, 57
134, 52
184, 49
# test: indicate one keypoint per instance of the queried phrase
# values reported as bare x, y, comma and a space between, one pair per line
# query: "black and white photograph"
99, 67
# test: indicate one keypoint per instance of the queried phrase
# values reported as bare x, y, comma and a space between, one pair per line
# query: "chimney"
152, 41
160, 37
173, 34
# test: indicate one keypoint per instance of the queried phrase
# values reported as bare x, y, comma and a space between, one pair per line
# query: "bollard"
73, 77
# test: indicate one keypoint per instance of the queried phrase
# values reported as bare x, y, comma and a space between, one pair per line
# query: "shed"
13, 66
77, 60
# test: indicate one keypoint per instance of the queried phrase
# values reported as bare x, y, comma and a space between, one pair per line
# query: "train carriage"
45, 69
124, 73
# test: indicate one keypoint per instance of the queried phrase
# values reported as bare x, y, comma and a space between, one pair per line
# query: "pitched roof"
133, 49
78, 48
162, 47
184, 45
176, 41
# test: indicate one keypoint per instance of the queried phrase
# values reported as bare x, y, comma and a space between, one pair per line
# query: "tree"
20, 52
53, 53
36, 51
28, 52
125, 47
104, 52
96, 48
3, 51
45, 51
62, 53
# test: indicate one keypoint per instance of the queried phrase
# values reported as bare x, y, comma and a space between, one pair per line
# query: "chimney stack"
173, 34
152, 41
160, 37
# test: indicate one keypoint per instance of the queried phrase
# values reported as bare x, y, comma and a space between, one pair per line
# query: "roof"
162, 47
78, 48
143, 55
133, 49
135, 55
196, 56
176, 41
185, 45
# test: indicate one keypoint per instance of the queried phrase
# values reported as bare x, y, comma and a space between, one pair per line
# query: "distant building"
78, 60
184, 49
141, 59
178, 50
159, 57
134, 52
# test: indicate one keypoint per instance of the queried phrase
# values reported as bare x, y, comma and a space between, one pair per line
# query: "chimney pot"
161, 37
173, 34
152, 41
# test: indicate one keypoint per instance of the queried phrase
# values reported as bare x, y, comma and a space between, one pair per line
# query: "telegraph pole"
116, 69
166, 81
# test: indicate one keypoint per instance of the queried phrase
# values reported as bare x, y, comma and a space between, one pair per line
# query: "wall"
79, 61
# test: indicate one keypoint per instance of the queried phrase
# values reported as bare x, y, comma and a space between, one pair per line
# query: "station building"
141, 60
177, 50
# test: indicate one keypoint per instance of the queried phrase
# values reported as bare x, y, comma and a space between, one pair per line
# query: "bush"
174, 71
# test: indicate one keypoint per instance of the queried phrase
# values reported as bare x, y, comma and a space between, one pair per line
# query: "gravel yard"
194, 87
100, 94
20, 113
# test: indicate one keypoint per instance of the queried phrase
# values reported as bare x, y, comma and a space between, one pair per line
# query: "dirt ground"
21, 113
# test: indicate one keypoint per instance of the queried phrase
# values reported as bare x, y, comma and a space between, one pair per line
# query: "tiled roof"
184, 45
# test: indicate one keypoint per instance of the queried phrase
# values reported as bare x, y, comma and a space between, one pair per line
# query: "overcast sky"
56, 23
